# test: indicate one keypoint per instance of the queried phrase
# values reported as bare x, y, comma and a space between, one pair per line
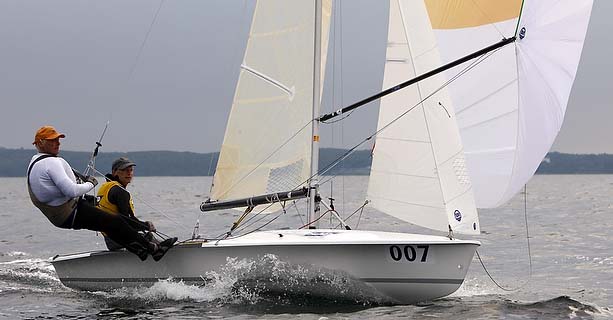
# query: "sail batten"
269, 79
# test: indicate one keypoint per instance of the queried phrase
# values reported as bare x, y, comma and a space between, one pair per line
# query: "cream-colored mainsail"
267, 144
418, 172
511, 105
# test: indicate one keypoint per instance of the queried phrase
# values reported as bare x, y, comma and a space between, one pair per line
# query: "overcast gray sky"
73, 64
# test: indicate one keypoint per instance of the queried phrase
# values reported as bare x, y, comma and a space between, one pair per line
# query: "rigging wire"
529, 251
144, 42
259, 214
227, 235
141, 48
360, 209
262, 216
208, 173
320, 216
486, 16
272, 153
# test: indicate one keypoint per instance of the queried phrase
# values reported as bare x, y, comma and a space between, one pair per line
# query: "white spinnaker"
418, 172
267, 144
510, 107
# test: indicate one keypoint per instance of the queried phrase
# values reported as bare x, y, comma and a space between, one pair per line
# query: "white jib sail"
267, 144
510, 107
418, 172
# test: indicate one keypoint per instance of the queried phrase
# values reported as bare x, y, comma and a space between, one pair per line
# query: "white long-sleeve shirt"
53, 182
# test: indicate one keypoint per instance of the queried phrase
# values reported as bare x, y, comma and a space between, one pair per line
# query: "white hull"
381, 260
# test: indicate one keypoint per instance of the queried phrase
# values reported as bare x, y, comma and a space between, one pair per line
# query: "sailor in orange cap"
55, 192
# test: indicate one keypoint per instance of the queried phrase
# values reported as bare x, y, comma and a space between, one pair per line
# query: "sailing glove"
91, 179
150, 226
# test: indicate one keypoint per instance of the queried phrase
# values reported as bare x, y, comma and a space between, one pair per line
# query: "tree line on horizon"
13, 162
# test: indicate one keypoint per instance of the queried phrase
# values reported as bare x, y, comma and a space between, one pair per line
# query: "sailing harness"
58, 215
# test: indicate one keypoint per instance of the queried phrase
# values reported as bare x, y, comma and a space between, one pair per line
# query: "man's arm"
121, 198
66, 184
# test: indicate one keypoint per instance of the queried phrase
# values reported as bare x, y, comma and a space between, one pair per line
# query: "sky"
162, 73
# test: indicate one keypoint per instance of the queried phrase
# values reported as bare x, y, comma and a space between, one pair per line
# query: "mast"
313, 212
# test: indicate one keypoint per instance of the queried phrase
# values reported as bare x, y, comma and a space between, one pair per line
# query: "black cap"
122, 163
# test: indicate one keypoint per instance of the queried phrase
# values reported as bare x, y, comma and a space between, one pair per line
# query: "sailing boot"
163, 247
138, 250
151, 238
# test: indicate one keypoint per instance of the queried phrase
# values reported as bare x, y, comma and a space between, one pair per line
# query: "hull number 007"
409, 253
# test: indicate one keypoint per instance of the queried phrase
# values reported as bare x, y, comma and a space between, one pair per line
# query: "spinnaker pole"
424, 76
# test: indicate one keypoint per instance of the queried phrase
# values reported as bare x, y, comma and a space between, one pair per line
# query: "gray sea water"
571, 240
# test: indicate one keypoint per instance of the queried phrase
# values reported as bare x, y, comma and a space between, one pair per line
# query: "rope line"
529, 251
361, 209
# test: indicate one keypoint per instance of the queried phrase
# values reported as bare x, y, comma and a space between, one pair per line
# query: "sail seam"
469, 189
400, 139
409, 203
491, 150
452, 157
459, 112
490, 119
493, 23
403, 174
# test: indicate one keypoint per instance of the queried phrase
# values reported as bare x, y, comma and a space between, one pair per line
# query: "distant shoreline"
13, 162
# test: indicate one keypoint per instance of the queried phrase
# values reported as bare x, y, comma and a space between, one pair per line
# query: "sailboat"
467, 130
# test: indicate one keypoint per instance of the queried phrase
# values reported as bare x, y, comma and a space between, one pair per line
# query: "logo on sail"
457, 215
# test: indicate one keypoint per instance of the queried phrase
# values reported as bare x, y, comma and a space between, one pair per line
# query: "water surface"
570, 227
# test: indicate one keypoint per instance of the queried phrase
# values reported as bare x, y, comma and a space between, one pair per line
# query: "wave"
495, 307
251, 285
32, 274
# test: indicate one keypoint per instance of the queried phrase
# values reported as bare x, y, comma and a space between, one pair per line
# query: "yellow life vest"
103, 198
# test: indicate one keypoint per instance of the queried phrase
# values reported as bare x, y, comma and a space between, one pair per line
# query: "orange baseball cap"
47, 133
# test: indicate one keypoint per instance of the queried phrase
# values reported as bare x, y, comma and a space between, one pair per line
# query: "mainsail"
511, 104
418, 171
267, 144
